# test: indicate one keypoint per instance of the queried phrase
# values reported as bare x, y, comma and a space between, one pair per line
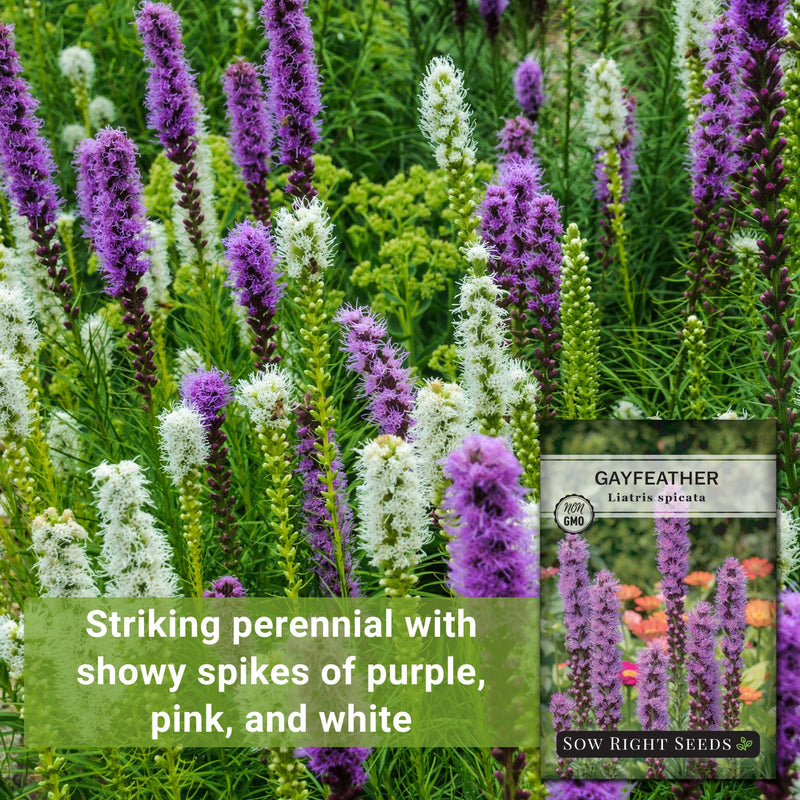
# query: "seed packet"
658, 599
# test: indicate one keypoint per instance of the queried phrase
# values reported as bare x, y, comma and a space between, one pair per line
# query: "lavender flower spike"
110, 193
294, 88
318, 528
491, 11
209, 391
252, 133
652, 704
573, 584
604, 648
562, 707
672, 543
788, 661
490, 553
703, 678
341, 769
515, 140
28, 167
529, 87
254, 274
730, 606
174, 106
385, 382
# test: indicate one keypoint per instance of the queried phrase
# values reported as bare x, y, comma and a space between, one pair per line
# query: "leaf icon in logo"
744, 743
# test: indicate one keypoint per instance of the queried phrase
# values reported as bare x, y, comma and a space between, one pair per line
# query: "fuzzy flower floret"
304, 238
392, 509
702, 668
135, 554
653, 687
730, 607
102, 112
529, 87
15, 417
445, 115
268, 397
341, 769
12, 644
605, 107
442, 421
385, 382
605, 639
184, 443
490, 554
62, 566
208, 391
77, 66
18, 332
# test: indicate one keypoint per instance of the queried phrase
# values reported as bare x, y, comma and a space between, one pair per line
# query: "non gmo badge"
573, 513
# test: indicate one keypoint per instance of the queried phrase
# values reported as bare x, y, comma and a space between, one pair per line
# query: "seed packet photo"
658, 599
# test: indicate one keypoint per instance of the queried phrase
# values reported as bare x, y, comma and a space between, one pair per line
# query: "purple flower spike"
491, 11
28, 168
730, 606
491, 552
543, 288
209, 391
529, 87
173, 105
604, 648
562, 707
717, 160
573, 584
516, 140
703, 679
385, 382
588, 790
228, 586
252, 133
254, 274
788, 660
672, 542
294, 88
341, 769
116, 217
110, 195
652, 704
318, 530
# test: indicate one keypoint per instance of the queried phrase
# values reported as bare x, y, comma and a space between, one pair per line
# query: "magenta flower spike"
294, 89
325, 562
110, 194
173, 105
573, 584
254, 275
210, 391
384, 381
605, 638
730, 606
673, 545
490, 551
28, 168
252, 133
529, 87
